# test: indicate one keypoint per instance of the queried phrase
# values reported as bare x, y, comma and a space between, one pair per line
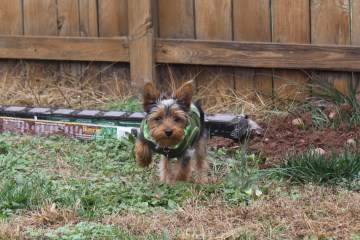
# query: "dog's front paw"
142, 153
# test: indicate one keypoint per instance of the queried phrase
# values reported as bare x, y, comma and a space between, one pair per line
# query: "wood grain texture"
214, 22
176, 20
355, 36
88, 18
40, 19
72, 48
69, 25
330, 24
113, 18
68, 18
258, 55
213, 19
291, 24
258, 14
11, 17
172, 51
141, 35
88, 24
355, 30
10, 24
113, 22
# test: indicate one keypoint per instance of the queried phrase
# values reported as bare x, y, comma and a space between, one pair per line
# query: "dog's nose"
168, 132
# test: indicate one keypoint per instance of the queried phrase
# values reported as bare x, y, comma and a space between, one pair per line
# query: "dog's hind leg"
201, 164
183, 167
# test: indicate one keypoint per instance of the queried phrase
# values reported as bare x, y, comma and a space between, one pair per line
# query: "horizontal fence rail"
259, 55
64, 48
175, 51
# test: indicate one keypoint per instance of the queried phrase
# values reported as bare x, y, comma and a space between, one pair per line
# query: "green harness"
191, 133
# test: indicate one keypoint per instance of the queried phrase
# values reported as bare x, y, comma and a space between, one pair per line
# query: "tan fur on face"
176, 121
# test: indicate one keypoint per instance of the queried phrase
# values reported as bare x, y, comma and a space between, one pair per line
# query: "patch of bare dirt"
283, 136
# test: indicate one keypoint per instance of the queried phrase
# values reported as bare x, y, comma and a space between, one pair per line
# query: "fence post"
141, 42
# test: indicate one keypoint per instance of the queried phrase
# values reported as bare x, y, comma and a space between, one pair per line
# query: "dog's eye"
176, 119
158, 119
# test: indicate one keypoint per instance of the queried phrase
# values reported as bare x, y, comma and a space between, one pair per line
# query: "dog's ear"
151, 95
184, 94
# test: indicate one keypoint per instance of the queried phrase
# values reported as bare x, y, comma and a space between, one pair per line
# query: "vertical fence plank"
141, 34
113, 22
40, 18
176, 20
68, 18
69, 25
291, 24
355, 35
10, 24
214, 22
113, 19
258, 14
330, 24
11, 17
88, 24
88, 18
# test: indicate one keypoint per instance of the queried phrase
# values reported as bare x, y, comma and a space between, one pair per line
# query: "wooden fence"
254, 44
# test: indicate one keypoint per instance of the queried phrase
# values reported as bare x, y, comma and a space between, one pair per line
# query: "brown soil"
281, 138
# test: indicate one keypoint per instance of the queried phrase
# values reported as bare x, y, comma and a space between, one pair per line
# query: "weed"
131, 104
241, 176
4, 148
324, 91
322, 169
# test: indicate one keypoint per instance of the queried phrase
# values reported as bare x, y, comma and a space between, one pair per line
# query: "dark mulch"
281, 138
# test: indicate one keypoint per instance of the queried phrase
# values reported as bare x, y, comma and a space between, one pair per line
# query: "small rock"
332, 115
319, 151
266, 140
301, 141
351, 142
297, 122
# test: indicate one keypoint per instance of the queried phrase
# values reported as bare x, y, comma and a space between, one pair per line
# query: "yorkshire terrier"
173, 127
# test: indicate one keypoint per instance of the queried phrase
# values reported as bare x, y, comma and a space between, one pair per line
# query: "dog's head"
167, 116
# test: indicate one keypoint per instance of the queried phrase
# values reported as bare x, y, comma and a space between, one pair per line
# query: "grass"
58, 188
87, 230
325, 92
91, 180
323, 169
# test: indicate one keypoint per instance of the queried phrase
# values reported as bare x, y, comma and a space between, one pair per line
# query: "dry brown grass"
21, 85
313, 211
214, 98
48, 216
